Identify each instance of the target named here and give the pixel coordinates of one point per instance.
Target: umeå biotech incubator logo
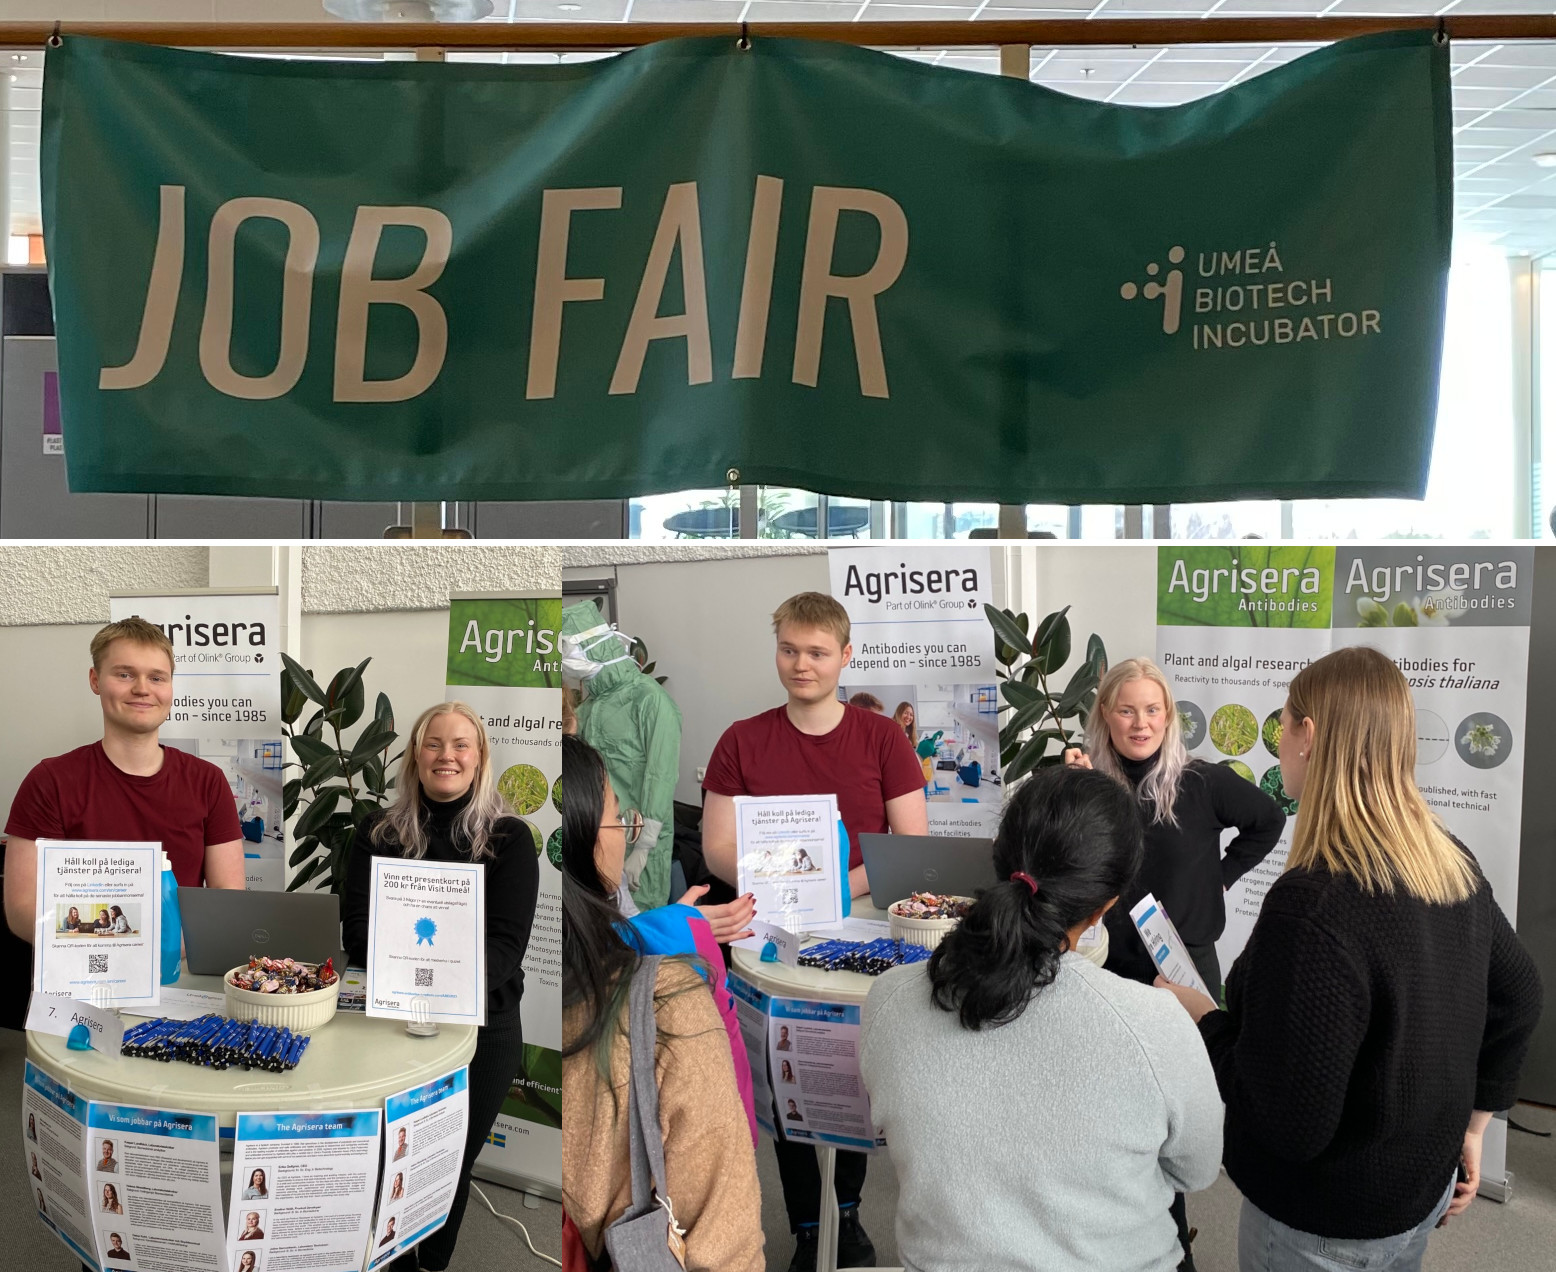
(1246, 298)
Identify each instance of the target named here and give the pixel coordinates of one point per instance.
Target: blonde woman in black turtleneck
(446, 808)
(1134, 734)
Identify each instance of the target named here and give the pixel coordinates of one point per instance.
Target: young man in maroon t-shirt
(128, 787)
(816, 745)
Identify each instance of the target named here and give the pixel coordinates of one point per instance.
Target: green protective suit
(635, 725)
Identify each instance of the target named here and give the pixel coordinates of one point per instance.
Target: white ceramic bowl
(300, 1013)
(926, 932)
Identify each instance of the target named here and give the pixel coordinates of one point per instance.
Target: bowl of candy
(925, 917)
(283, 991)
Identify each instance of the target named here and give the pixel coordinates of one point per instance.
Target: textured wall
(615, 552)
(413, 576)
(71, 584)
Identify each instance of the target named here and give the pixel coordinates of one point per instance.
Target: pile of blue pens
(868, 957)
(218, 1043)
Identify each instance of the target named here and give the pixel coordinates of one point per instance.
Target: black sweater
(1360, 1034)
(512, 882)
(1184, 867)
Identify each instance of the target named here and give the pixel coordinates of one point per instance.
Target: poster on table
(227, 704)
(426, 941)
(302, 1191)
(424, 1145)
(155, 1184)
(787, 856)
(54, 1139)
(1020, 324)
(924, 650)
(813, 1059)
(98, 934)
(1235, 624)
(751, 1010)
(503, 662)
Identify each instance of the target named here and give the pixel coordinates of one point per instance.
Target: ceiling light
(1546, 158)
(570, 8)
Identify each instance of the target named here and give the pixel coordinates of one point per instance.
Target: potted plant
(1040, 715)
(340, 785)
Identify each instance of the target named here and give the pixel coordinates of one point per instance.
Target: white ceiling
(1504, 95)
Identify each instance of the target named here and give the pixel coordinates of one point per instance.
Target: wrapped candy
(284, 976)
(930, 905)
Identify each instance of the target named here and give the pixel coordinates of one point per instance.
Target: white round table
(782, 981)
(352, 1062)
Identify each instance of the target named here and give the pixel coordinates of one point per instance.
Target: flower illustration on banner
(1481, 738)
(1435, 609)
(426, 929)
(1190, 727)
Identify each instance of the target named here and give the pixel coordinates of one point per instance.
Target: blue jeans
(1267, 1245)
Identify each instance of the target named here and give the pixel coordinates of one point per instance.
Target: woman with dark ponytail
(1065, 1102)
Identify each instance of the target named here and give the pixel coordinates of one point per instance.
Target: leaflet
(751, 1006)
(97, 934)
(786, 856)
(302, 1191)
(424, 1144)
(426, 949)
(814, 1056)
(54, 1144)
(156, 1189)
(1168, 951)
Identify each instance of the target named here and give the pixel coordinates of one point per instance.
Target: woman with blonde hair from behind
(1382, 1009)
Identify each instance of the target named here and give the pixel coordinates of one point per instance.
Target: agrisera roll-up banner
(1235, 624)
(502, 662)
(797, 264)
(227, 704)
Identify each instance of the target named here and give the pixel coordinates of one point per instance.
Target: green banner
(802, 264)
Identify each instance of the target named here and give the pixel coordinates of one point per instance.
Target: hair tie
(1026, 879)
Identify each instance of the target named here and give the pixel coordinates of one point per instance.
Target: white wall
(416, 576)
(57, 584)
(1111, 591)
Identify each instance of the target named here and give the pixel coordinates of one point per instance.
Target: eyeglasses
(631, 822)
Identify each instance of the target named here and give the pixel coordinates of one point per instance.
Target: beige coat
(709, 1160)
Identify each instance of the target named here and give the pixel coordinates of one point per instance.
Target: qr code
(97, 964)
(423, 977)
(788, 896)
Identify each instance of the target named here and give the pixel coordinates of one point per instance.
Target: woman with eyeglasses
(446, 808)
(704, 1079)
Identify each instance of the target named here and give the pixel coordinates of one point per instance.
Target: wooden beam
(584, 36)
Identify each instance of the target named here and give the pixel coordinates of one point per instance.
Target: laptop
(224, 926)
(899, 865)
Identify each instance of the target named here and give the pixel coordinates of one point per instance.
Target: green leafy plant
(639, 651)
(1041, 716)
(340, 785)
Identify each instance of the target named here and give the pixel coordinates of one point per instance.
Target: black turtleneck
(1184, 867)
(512, 883)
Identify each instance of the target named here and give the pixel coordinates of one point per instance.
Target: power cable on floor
(510, 1219)
(1527, 1130)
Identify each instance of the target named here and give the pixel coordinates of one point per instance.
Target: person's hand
(731, 921)
(1076, 758)
(1198, 1005)
(1464, 1190)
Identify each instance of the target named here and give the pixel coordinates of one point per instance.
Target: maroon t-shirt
(186, 805)
(865, 761)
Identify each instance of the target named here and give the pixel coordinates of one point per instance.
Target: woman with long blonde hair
(1135, 735)
(1382, 1009)
(446, 808)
